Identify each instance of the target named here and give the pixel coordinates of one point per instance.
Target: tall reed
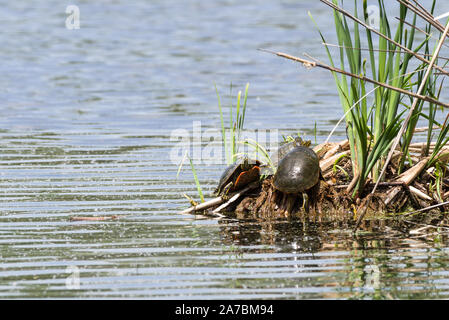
(235, 126)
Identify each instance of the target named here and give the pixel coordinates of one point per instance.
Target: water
(86, 127)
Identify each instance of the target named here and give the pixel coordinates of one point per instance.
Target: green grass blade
(197, 182)
(223, 129)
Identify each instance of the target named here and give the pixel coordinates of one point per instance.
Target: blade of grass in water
(235, 127)
(197, 182)
(245, 99)
(195, 176)
(231, 129)
(223, 129)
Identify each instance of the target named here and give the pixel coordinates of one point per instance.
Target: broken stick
(219, 200)
(236, 196)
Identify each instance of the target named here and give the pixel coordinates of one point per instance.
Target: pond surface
(86, 127)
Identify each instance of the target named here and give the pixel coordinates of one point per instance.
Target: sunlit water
(86, 126)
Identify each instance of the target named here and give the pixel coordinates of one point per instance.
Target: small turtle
(280, 153)
(298, 172)
(288, 146)
(238, 175)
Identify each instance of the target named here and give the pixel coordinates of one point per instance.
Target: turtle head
(298, 141)
(247, 164)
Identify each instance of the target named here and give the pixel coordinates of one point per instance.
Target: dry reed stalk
(424, 32)
(93, 218)
(344, 12)
(341, 146)
(312, 64)
(329, 162)
(374, 50)
(423, 13)
(235, 197)
(427, 208)
(322, 148)
(219, 200)
(420, 194)
(204, 205)
(406, 179)
(408, 176)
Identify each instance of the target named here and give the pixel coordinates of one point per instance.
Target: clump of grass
(235, 129)
(372, 126)
(235, 126)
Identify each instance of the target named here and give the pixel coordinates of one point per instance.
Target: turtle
(238, 175)
(297, 172)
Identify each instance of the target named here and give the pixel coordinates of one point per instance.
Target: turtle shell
(298, 171)
(240, 173)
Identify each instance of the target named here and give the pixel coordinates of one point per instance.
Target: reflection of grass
(235, 252)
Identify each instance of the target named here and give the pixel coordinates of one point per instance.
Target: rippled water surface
(86, 126)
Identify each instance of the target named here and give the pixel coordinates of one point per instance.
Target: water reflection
(374, 265)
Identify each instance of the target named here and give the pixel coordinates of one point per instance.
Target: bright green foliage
(373, 124)
(235, 125)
